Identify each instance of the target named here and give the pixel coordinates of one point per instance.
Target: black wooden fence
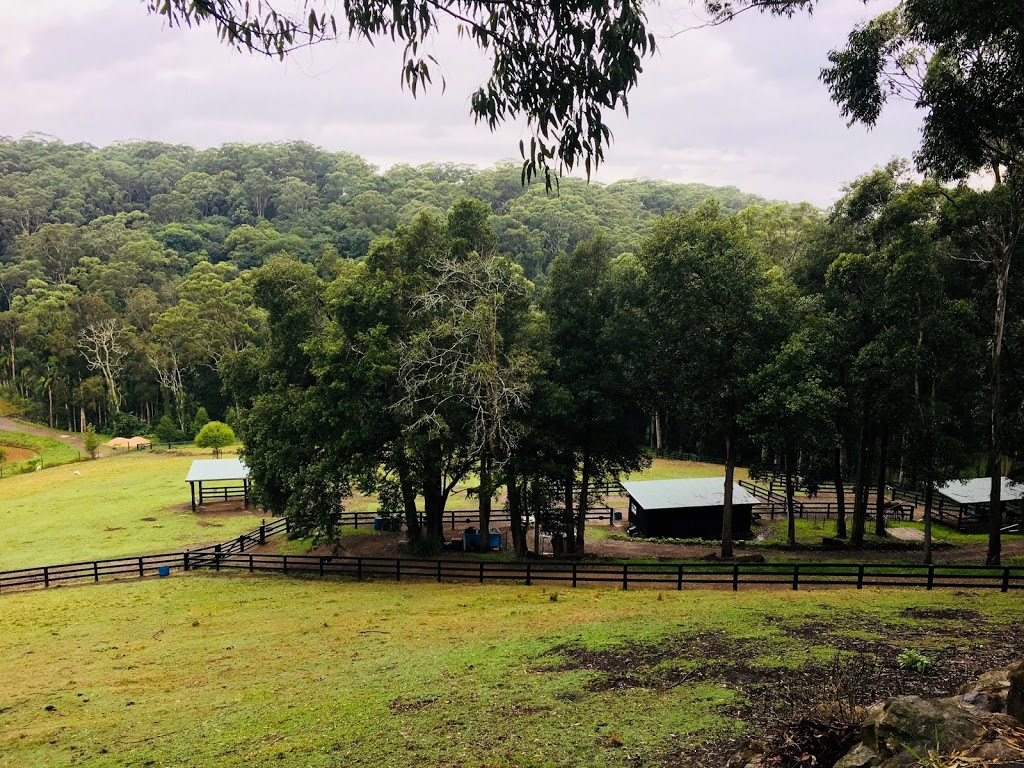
(232, 556)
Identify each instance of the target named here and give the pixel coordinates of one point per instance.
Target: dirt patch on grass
(208, 524)
(942, 614)
(864, 669)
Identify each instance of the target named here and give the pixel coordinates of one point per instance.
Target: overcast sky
(739, 104)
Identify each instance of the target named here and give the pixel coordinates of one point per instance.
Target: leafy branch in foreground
(559, 65)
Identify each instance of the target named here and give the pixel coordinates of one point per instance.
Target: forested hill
(242, 203)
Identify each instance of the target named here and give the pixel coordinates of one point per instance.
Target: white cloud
(739, 104)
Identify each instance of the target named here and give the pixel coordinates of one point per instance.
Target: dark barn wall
(689, 523)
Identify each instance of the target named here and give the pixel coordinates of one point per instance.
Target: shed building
(218, 480)
(687, 509)
(964, 504)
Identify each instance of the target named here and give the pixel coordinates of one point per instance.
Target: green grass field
(53, 516)
(262, 671)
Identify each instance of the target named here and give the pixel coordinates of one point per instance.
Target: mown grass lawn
(53, 516)
(268, 671)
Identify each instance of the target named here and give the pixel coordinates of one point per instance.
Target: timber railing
(675, 576)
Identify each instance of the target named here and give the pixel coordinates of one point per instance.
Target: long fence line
(570, 574)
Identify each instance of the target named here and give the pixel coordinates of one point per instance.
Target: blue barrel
(164, 570)
(378, 523)
(494, 539)
(618, 515)
(470, 540)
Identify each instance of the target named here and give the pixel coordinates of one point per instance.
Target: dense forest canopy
(123, 268)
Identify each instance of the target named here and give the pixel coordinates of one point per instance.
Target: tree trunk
(837, 471)
(584, 505)
(790, 512)
(995, 413)
(515, 512)
(485, 500)
(727, 501)
(49, 396)
(412, 518)
(857, 537)
(568, 518)
(928, 491)
(880, 487)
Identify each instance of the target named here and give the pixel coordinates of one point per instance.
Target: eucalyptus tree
(717, 311)
(963, 65)
(595, 419)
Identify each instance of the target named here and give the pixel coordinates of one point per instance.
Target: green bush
(216, 435)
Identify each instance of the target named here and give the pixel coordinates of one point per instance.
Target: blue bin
(164, 570)
(494, 540)
(378, 523)
(471, 540)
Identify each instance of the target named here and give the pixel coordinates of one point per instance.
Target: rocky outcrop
(983, 724)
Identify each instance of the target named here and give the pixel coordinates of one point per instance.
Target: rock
(1015, 694)
(988, 693)
(998, 752)
(860, 756)
(916, 724)
(745, 756)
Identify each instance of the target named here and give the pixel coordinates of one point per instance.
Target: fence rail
(232, 556)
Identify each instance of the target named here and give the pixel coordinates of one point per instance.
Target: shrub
(128, 425)
(913, 660)
(166, 431)
(201, 420)
(215, 435)
(92, 441)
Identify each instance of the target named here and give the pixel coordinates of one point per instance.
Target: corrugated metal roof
(207, 470)
(978, 490)
(676, 494)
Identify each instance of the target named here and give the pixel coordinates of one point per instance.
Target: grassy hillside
(49, 450)
(265, 671)
(127, 504)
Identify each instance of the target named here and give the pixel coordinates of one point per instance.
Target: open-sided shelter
(687, 509)
(965, 504)
(218, 480)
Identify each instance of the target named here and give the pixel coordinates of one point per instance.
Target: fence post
(625, 576)
(284, 563)
(321, 565)
(1006, 579)
(796, 576)
(216, 559)
(96, 569)
(141, 569)
(528, 580)
(860, 576)
(263, 532)
(241, 543)
(359, 569)
(185, 564)
(46, 576)
(438, 571)
(679, 582)
(250, 564)
(931, 575)
(574, 575)
(398, 569)
(287, 526)
(735, 577)
(481, 571)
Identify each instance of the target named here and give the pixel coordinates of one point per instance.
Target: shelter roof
(677, 494)
(978, 490)
(208, 470)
